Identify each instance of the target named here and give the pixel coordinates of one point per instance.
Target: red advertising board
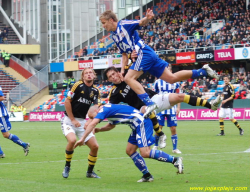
(82, 64)
(224, 54)
(187, 57)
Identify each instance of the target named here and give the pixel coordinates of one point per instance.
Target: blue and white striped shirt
(121, 114)
(3, 110)
(126, 37)
(162, 87)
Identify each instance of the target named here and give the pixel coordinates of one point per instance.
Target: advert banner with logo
(224, 54)
(115, 62)
(82, 64)
(206, 114)
(46, 116)
(101, 63)
(242, 53)
(187, 57)
(170, 58)
(204, 56)
(15, 116)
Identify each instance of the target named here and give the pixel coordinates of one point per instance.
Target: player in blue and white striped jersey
(128, 41)
(5, 127)
(163, 87)
(141, 136)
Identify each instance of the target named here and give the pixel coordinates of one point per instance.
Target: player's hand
(223, 102)
(76, 123)
(79, 143)
(150, 15)
(134, 55)
(122, 72)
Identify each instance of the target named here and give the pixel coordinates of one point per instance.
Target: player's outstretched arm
(90, 128)
(107, 127)
(149, 15)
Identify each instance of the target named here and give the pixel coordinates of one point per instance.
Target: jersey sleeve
(74, 90)
(131, 25)
(97, 98)
(231, 89)
(113, 97)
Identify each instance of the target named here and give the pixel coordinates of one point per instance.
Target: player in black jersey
(227, 107)
(81, 96)
(121, 92)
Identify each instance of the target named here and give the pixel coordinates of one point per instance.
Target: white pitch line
(247, 151)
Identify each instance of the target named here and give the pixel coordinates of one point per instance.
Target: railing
(30, 87)
(26, 66)
(160, 52)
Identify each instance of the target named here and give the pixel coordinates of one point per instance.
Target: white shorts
(226, 112)
(162, 102)
(68, 127)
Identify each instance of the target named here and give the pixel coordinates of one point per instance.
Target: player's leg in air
(5, 128)
(167, 101)
(159, 69)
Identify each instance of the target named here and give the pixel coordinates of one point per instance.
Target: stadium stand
(180, 25)
(7, 81)
(7, 35)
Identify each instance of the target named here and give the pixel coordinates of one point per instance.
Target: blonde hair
(108, 15)
(85, 70)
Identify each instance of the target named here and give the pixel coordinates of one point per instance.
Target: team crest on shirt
(82, 92)
(227, 89)
(122, 34)
(91, 95)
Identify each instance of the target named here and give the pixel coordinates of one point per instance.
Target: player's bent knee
(145, 154)
(6, 135)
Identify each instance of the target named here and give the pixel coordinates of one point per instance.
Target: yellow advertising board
(20, 49)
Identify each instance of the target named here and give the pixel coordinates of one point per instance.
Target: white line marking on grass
(247, 151)
(58, 161)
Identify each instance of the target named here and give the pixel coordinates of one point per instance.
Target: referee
(227, 107)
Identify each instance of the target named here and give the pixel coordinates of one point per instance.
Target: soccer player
(227, 107)
(163, 87)
(127, 40)
(121, 92)
(141, 136)
(5, 127)
(79, 99)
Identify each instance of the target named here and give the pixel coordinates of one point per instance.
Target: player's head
(226, 80)
(108, 20)
(93, 111)
(88, 75)
(113, 75)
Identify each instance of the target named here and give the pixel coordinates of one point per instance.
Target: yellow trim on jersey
(76, 85)
(232, 90)
(111, 90)
(99, 96)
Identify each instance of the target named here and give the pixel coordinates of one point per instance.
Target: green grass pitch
(209, 160)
